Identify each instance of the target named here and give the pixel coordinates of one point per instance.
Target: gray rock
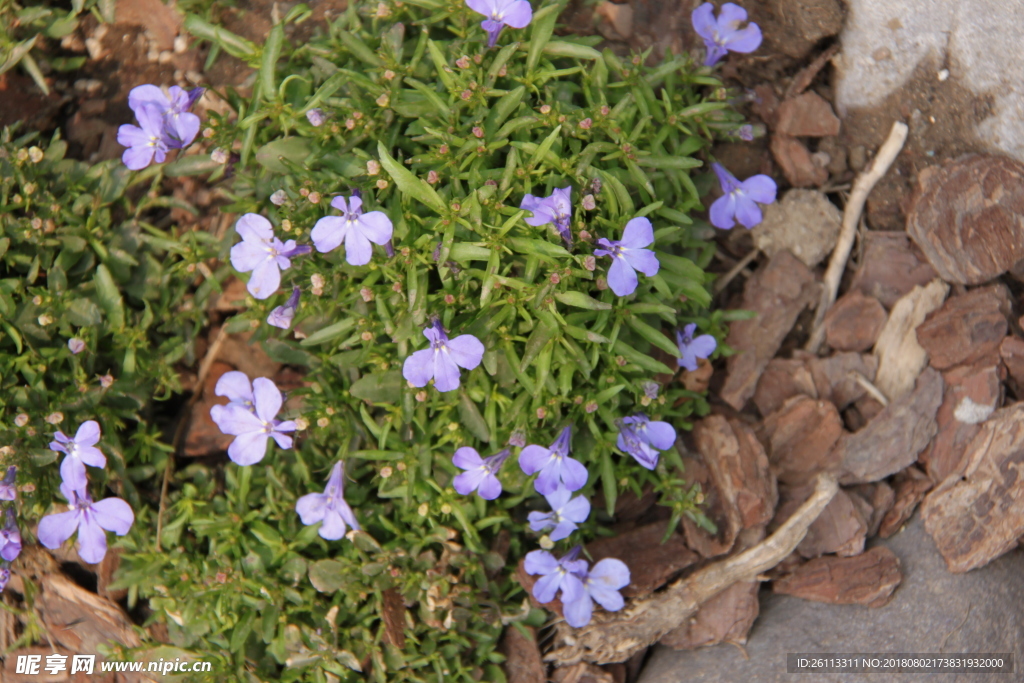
(932, 611)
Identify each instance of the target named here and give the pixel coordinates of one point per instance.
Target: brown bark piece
(972, 394)
(726, 617)
(866, 579)
(879, 498)
(978, 518)
(895, 437)
(968, 217)
(841, 529)
(892, 266)
(966, 328)
(651, 563)
(900, 357)
(394, 617)
(523, 663)
(777, 294)
(800, 437)
(854, 322)
(834, 377)
(796, 162)
(782, 379)
(911, 485)
(1011, 350)
(204, 436)
(716, 507)
(809, 115)
(581, 672)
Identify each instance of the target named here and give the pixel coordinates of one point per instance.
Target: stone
(854, 322)
(966, 328)
(800, 438)
(900, 357)
(804, 222)
(911, 485)
(651, 563)
(776, 293)
(981, 516)
(891, 266)
(895, 437)
(866, 579)
(968, 217)
(796, 162)
(782, 379)
(1011, 351)
(835, 376)
(726, 617)
(931, 611)
(619, 18)
(795, 27)
(808, 114)
(523, 663)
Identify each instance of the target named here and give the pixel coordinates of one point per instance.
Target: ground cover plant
(474, 238)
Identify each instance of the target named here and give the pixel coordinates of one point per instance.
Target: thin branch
(724, 281)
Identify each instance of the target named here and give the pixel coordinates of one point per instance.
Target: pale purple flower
(263, 254)
(651, 389)
(236, 387)
(628, 256)
(481, 473)
(566, 513)
(76, 345)
(556, 574)
(739, 201)
(180, 126)
(10, 537)
(556, 209)
(146, 141)
(601, 584)
(252, 429)
(8, 491)
(355, 228)
(89, 519)
(282, 315)
(81, 451)
(555, 465)
(517, 438)
(691, 348)
(642, 439)
(501, 13)
(328, 507)
(724, 34)
(745, 132)
(316, 117)
(5, 576)
(443, 359)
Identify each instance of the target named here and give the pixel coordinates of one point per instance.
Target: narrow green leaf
(109, 296)
(408, 183)
(543, 25)
(359, 49)
(608, 483)
(330, 332)
(380, 387)
(561, 48)
(641, 359)
(233, 44)
(581, 300)
(652, 335)
(472, 419)
(268, 65)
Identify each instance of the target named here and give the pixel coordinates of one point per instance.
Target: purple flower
(263, 254)
(480, 474)
(724, 34)
(602, 583)
(639, 437)
(76, 345)
(7, 489)
(443, 359)
(501, 13)
(629, 256)
(236, 387)
(89, 519)
(10, 538)
(564, 516)
(81, 451)
(738, 201)
(316, 117)
(556, 209)
(556, 574)
(691, 349)
(282, 315)
(180, 126)
(146, 141)
(328, 507)
(554, 465)
(745, 132)
(252, 428)
(651, 389)
(356, 229)
(5, 576)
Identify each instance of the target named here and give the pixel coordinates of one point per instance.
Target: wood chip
(800, 438)
(967, 327)
(910, 486)
(866, 579)
(841, 529)
(808, 115)
(726, 617)
(522, 656)
(900, 357)
(854, 322)
(796, 162)
(1011, 350)
(782, 379)
(651, 563)
(394, 617)
(835, 377)
(879, 497)
(890, 267)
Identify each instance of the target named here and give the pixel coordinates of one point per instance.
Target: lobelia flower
(10, 538)
(556, 574)
(328, 507)
(81, 451)
(356, 229)
(263, 254)
(690, 348)
(481, 473)
(282, 315)
(89, 519)
(556, 208)
(639, 437)
(316, 117)
(443, 359)
(146, 141)
(76, 345)
(180, 125)
(501, 13)
(601, 584)
(252, 428)
(628, 256)
(724, 34)
(565, 514)
(739, 201)
(5, 576)
(7, 488)
(555, 466)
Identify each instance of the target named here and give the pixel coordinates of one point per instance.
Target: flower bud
(106, 381)
(384, 100)
(462, 62)
(386, 472)
(323, 422)
(278, 198)
(389, 75)
(602, 284)
(585, 124)
(372, 167)
(466, 94)
(21, 420)
(382, 184)
(314, 197)
(55, 418)
(590, 263)
(301, 423)
(367, 294)
(423, 509)
(35, 154)
(542, 413)
(589, 203)
(316, 117)
(76, 345)
(219, 156)
(432, 177)
(590, 407)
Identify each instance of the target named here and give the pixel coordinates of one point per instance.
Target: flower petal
(311, 508)
(92, 541)
(548, 480)
(643, 260)
(328, 233)
(333, 527)
(468, 481)
(55, 529)
(577, 510)
(91, 456)
(747, 212)
(72, 472)
(578, 612)
(723, 212)
(534, 458)
(562, 530)
(267, 398)
(539, 562)
(704, 23)
(113, 514)
(249, 448)
(419, 367)
(446, 372)
(466, 350)
(604, 581)
(376, 227)
(574, 474)
(358, 250)
(467, 458)
(147, 94)
(621, 277)
(484, 7)
(254, 228)
(235, 386)
(245, 256)
(703, 346)
(547, 586)
(88, 434)
(539, 521)
(138, 157)
(760, 188)
(490, 488)
(638, 233)
(518, 14)
(661, 435)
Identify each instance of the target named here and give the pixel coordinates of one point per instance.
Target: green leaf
(653, 336)
(610, 486)
(292, 148)
(359, 49)
(17, 53)
(535, 247)
(408, 183)
(431, 96)
(327, 575)
(464, 251)
(84, 313)
(561, 48)
(663, 162)
(543, 25)
(233, 44)
(382, 387)
(641, 359)
(329, 87)
(472, 419)
(268, 65)
(191, 164)
(110, 297)
(330, 332)
(581, 300)
(266, 534)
